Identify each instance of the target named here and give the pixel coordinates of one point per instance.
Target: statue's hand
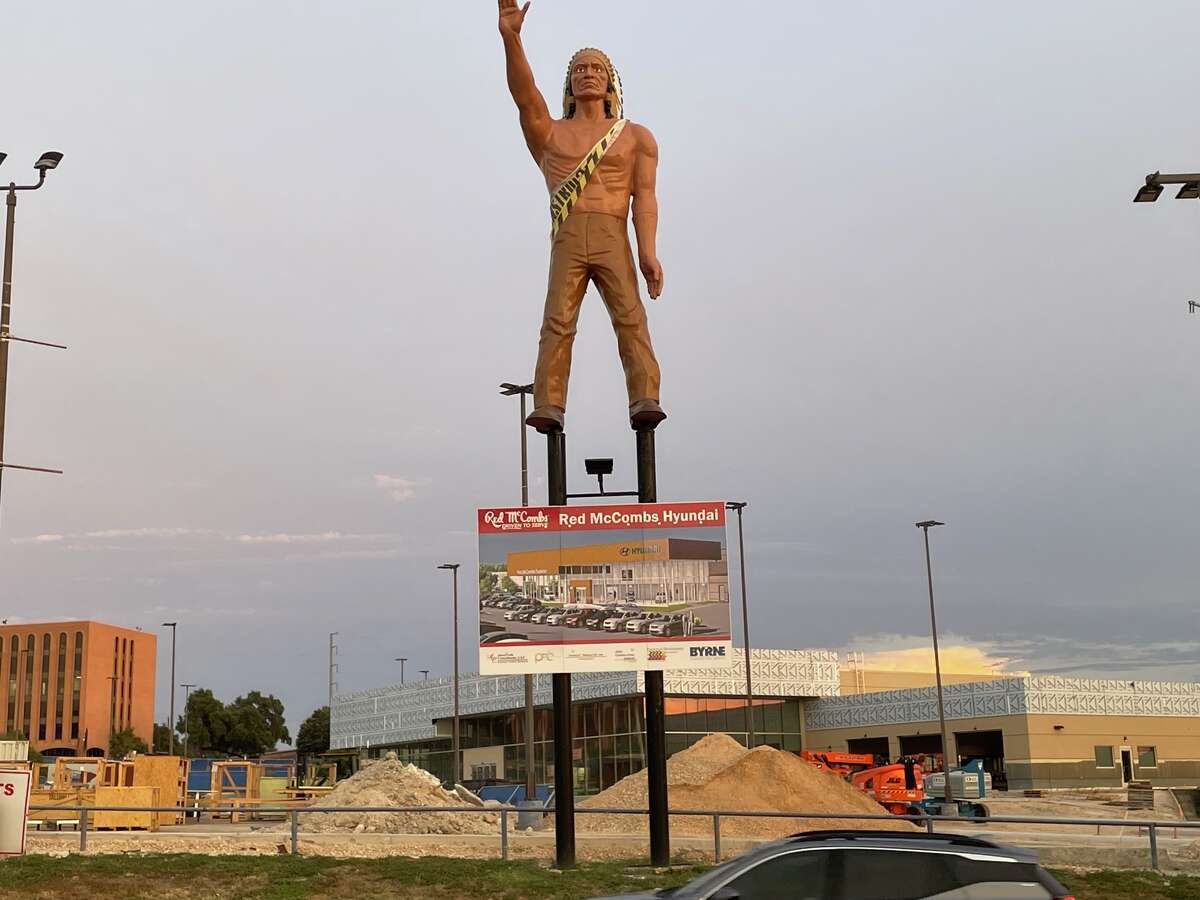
(653, 273)
(512, 17)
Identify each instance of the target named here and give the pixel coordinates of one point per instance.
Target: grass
(180, 876)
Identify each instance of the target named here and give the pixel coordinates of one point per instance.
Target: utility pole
(332, 669)
(172, 626)
(187, 717)
(508, 389)
(402, 660)
(738, 506)
(937, 664)
(424, 672)
(48, 161)
(456, 769)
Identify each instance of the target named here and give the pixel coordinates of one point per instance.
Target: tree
(250, 725)
(125, 742)
(205, 720)
(313, 736)
(509, 585)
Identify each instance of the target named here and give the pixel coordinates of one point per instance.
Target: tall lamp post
(47, 161)
(937, 664)
(456, 768)
(508, 389)
(187, 719)
(737, 506)
(424, 672)
(172, 626)
(402, 660)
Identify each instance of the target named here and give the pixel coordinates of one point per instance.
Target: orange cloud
(957, 659)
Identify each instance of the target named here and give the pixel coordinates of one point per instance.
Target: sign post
(14, 810)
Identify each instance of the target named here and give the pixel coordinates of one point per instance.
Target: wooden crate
(126, 796)
(169, 775)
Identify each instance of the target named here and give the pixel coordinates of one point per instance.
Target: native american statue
(594, 161)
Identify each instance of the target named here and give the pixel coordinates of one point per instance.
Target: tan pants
(595, 247)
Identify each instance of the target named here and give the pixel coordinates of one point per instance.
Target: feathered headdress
(614, 99)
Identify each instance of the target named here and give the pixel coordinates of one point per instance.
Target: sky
(294, 247)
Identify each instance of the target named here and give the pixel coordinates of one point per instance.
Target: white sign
(14, 810)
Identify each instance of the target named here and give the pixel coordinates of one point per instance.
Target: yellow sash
(564, 197)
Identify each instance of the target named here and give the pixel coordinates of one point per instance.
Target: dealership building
(1031, 732)
(653, 571)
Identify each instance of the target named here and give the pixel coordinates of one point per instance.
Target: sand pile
(388, 782)
(719, 773)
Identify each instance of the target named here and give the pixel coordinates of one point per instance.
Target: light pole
(402, 660)
(187, 717)
(508, 389)
(456, 768)
(172, 625)
(738, 506)
(332, 668)
(424, 672)
(1193, 306)
(48, 160)
(1153, 188)
(937, 663)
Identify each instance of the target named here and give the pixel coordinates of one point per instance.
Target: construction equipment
(844, 764)
(970, 783)
(896, 787)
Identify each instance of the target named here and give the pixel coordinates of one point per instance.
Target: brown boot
(645, 414)
(546, 419)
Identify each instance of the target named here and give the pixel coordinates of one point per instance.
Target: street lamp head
(48, 160)
(1150, 191)
(3, 157)
(169, 624)
(598, 466)
(452, 566)
(400, 659)
(508, 389)
(1193, 306)
(1190, 191)
(929, 523)
(738, 505)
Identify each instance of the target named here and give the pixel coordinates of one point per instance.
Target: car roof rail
(961, 840)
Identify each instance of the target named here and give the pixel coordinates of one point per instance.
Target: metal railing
(293, 814)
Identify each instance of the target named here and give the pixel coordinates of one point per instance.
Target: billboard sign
(14, 810)
(603, 588)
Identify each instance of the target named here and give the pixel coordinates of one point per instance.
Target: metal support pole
(746, 633)
(656, 720)
(937, 668)
(504, 834)
(171, 721)
(716, 838)
(929, 823)
(83, 828)
(530, 773)
(564, 769)
(295, 817)
(6, 312)
(457, 742)
(1153, 847)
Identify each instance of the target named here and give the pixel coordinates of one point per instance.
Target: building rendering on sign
(67, 683)
(1031, 732)
(659, 571)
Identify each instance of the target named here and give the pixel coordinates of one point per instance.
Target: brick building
(66, 683)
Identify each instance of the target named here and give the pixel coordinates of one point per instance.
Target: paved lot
(713, 616)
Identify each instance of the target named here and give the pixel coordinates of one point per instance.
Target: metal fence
(293, 814)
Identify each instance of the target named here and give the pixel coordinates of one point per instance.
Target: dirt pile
(388, 782)
(719, 773)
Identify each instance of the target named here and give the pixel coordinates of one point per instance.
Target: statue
(594, 160)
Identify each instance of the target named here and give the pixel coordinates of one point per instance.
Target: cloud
(323, 537)
(399, 489)
(40, 539)
(144, 533)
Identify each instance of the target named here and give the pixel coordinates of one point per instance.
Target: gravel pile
(719, 773)
(388, 782)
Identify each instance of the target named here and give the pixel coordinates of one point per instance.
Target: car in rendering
(617, 622)
(641, 624)
(575, 619)
(525, 614)
(596, 618)
(515, 611)
(503, 637)
(539, 617)
(871, 865)
(555, 618)
(667, 626)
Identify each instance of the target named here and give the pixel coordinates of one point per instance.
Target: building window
(76, 684)
(129, 690)
(1104, 758)
(10, 723)
(1147, 758)
(44, 684)
(60, 693)
(27, 701)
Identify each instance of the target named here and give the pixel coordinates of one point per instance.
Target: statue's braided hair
(614, 98)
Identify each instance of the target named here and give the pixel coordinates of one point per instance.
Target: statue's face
(589, 77)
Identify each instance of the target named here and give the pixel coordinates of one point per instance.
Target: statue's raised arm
(535, 116)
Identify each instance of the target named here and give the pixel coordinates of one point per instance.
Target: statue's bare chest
(570, 142)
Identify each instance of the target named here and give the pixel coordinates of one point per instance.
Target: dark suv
(874, 865)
